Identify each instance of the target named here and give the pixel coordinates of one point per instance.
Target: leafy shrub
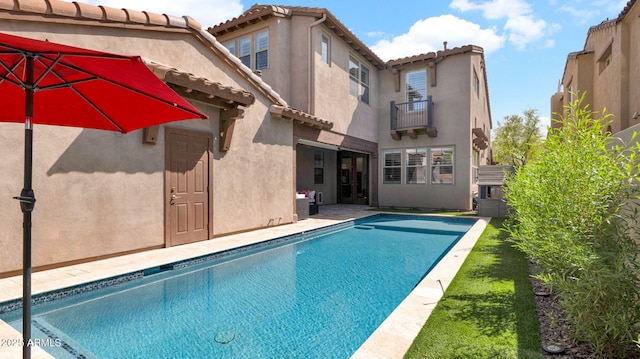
(574, 214)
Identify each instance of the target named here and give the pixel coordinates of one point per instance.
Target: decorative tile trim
(16, 304)
(64, 345)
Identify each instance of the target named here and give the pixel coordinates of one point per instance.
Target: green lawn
(488, 310)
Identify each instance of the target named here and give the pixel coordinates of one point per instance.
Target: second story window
(231, 46)
(605, 59)
(262, 50)
(416, 90)
(476, 82)
(251, 47)
(244, 50)
(359, 80)
(325, 49)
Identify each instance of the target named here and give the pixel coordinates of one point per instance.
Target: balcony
(412, 118)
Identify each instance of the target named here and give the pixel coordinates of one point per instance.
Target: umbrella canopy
(84, 88)
(46, 83)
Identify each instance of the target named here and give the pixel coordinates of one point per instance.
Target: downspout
(310, 64)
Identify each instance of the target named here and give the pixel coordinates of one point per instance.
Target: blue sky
(526, 42)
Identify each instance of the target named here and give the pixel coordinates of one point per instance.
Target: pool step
(362, 226)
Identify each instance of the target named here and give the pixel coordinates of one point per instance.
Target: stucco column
(295, 177)
(373, 163)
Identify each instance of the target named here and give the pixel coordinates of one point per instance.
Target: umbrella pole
(27, 202)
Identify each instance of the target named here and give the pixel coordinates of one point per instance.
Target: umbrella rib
(66, 84)
(73, 67)
(63, 83)
(48, 68)
(98, 109)
(11, 71)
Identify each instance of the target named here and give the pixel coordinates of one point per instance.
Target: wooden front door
(189, 214)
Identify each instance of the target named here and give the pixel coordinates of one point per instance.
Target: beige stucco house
(102, 194)
(608, 69)
(295, 102)
(406, 133)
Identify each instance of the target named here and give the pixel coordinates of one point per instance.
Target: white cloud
(612, 6)
(592, 11)
(549, 44)
(582, 13)
(523, 26)
(428, 35)
(206, 12)
(375, 34)
(524, 30)
(494, 9)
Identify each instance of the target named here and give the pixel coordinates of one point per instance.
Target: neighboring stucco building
(608, 69)
(406, 133)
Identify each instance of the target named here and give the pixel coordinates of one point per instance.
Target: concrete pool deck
(390, 340)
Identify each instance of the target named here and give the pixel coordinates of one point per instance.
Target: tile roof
(290, 113)
(626, 10)
(58, 10)
(603, 25)
(435, 56)
(214, 91)
(612, 22)
(262, 12)
(80, 11)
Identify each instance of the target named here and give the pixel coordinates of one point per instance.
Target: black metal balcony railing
(413, 116)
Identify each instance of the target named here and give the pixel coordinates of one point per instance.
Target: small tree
(575, 214)
(517, 139)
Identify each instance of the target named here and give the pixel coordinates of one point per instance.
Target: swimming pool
(305, 296)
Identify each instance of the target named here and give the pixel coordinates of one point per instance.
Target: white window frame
(410, 92)
(359, 78)
(251, 48)
(231, 46)
(364, 83)
(416, 165)
(262, 47)
(325, 49)
(442, 166)
(244, 50)
(394, 166)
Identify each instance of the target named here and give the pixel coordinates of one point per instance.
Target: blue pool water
(307, 298)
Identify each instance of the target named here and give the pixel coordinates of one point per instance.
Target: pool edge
(380, 345)
(397, 332)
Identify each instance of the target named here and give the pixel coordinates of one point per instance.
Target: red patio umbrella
(53, 84)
